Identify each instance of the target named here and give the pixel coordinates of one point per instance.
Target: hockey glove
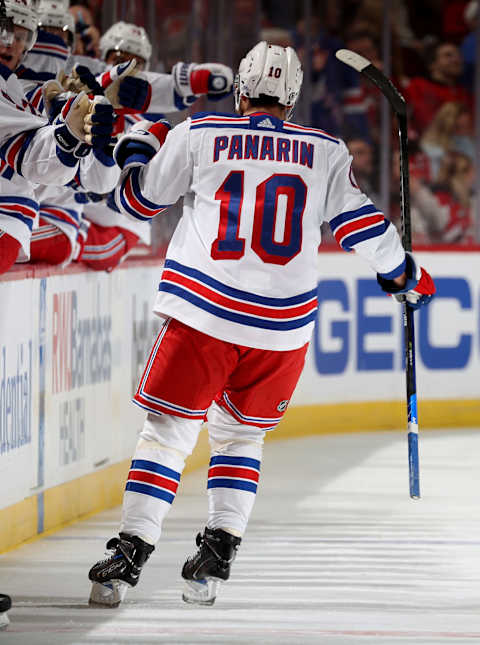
(98, 123)
(419, 288)
(134, 94)
(69, 133)
(142, 142)
(55, 97)
(111, 80)
(213, 79)
(82, 79)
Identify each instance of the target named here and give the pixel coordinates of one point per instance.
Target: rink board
(72, 347)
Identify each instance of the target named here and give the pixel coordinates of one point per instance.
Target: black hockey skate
(121, 569)
(210, 566)
(5, 604)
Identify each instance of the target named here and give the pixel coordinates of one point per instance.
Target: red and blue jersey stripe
(241, 473)
(53, 50)
(14, 149)
(35, 99)
(239, 306)
(21, 208)
(149, 478)
(356, 226)
(133, 201)
(60, 214)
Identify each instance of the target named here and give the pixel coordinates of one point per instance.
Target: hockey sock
(154, 475)
(234, 471)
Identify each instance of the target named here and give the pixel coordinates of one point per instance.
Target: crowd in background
(433, 57)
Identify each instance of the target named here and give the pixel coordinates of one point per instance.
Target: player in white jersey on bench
(238, 297)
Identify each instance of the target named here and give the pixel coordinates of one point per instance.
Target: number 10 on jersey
(229, 246)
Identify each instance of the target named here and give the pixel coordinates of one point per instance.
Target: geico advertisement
(356, 352)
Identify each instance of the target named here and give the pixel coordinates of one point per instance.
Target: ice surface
(336, 553)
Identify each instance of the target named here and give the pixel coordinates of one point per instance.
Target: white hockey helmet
(55, 13)
(271, 70)
(125, 36)
(23, 14)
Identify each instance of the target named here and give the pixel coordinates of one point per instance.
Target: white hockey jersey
(18, 208)
(242, 265)
(27, 144)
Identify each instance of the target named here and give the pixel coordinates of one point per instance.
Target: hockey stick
(397, 102)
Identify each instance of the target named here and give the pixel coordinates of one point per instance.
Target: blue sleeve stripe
(349, 215)
(395, 272)
(125, 206)
(361, 236)
(136, 159)
(24, 201)
(138, 193)
(23, 150)
(28, 221)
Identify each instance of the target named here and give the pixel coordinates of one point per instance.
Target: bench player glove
(83, 124)
(112, 79)
(141, 143)
(82, 78)
(134, 94)
(99, 123)
(213, 79)
(419, 288)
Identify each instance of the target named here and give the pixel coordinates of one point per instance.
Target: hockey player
(111, 235)
(32, 150)
(55, 236)
(238, 298)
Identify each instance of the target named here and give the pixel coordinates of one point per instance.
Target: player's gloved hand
(112, 79)
(54, 97)
(99, 123)
(213, 79)
(69, 131)
(141, 143)
(134, 93)
(419, 288)
(82, 78)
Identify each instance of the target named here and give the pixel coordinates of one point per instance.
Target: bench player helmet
(55, 13)
(23, 14)
(124, 36)
(269, 70)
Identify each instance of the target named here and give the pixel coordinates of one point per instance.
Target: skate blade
(4, 621)
(109, 594)
(201, 592)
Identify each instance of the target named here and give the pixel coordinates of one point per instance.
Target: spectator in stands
(455, 28)
(364, 43)
(427, 95)
(87, 34)
(454, 193)
(363, 166)
(437, 140)
(337, 100)
(428, 218)
(463, 138)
